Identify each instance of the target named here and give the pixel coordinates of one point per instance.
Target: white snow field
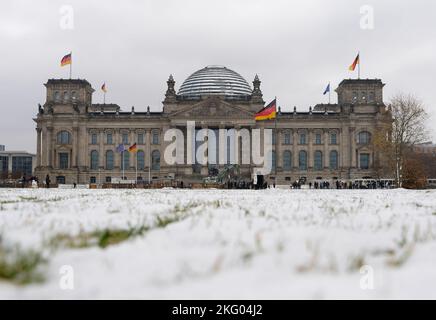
(217, 244)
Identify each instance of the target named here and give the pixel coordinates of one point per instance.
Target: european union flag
(327, 90)
(120, 148)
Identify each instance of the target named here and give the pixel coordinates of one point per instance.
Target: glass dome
(215, 80)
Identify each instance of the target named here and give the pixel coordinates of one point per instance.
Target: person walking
(47, 181)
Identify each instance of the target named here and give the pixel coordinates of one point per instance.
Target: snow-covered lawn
(217, 244)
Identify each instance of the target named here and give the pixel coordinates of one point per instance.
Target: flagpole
(122, 161)
(71, 64)
(136, 168)
(149, 165)
(330, 92)
(275, 145)
(358, 70)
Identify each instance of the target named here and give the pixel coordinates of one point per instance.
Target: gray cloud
(296, 47)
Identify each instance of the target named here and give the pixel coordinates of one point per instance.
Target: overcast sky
(296, 48)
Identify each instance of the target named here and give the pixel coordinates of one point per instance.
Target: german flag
(66, 60)
(133, 148)
(267, 113)
(355, 63)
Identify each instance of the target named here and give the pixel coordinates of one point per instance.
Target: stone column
(294, 149)
(147, 150)
(49, 146)
(353, 163)
(117, 155)
(310, 150)
(278, 149)
(38, 147)
(101, 152)
(326, 156)
(75, 146)
(205, 168)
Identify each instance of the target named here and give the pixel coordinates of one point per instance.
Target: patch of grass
(402, 257)
(101, 238)
(20, 266)
(162, 222)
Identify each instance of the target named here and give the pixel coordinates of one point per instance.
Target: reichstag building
(78, 141)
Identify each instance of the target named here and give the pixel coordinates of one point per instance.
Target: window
(371, 97)
(287, 137)
(92, 180)
(73, 96)
(333, 138)
(4, 166)
(302, 160)
(318, 138)
(94, 138)
(22, 165)
(125, 138)
(333, 160)
(109, 160)
(363, 96)
(155, 160)
(64, 137)
(60, 180)
(140, 138)
(364, 161)
(155, 137)
(318, 160)
(108, 179)
(125, 159)
(109, 138)
(94, 160)
(287, 160)
(66, 96)
(302, 138)
(63, 160)
(57, 96)
(364, 137)
(140, 160)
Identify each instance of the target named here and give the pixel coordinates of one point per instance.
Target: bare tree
(408, 129)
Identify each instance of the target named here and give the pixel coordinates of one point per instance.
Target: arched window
(318, 160)
(109, 160)
(125, 156)
(64, 137)
(302, 160)
(287, 160)
(94, 160)
(333, 160)
(140, 160)
(155, 160)
(364, 137)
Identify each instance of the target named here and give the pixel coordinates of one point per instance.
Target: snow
(227, 244)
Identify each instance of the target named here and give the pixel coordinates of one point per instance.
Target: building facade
(77, 140)
(16, 164)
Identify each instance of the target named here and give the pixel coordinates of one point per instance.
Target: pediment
(213, 107)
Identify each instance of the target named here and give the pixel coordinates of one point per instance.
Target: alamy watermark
(220, 147)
